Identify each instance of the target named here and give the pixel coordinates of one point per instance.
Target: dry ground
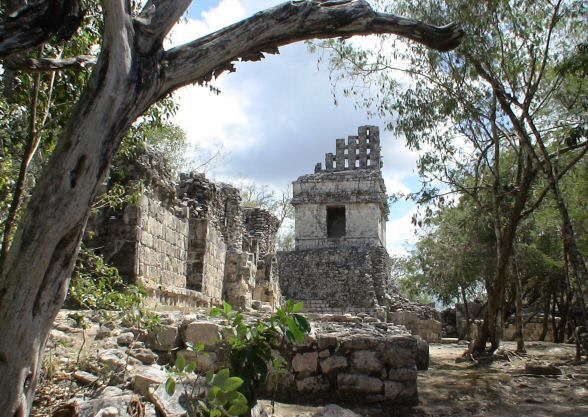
(501, 388)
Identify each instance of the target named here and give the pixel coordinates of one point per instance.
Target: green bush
(96, 285)
(232, 392)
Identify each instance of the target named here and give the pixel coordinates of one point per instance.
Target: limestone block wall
(240, 272)
(206, 259)
(358, 364)
(354, 369)
(339, 278)
(162, 244)
(428, 329)
(532, 329)
(262, 226)
(361, 193)
(189, 242)
(364, 226)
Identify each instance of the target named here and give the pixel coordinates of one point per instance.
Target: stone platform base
(173, 298)
(352, 364)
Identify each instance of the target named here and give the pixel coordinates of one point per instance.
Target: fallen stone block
(146, 377)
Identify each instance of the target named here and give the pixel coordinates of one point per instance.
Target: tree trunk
(467, 312)
(492, 327)
(33, 291)
(545, 319)
(519, 335)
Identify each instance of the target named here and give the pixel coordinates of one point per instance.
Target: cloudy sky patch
(276, 118)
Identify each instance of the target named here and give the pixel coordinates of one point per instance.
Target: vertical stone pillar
(352, 151)
(340, 149)
(374, 147)
(329, 162)
(362, 150)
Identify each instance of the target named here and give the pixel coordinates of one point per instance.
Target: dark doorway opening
(335, 221)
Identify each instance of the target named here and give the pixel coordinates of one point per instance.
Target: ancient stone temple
(189, 243)
(340, 262)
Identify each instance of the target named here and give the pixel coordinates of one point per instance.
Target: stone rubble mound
(347, 359)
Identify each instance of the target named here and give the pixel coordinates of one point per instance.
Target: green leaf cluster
(96, 285)
(252, 344)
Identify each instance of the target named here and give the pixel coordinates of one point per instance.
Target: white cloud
(400, 234)
(227, 12)
(276, 118)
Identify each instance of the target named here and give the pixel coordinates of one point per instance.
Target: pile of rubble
(108, 368)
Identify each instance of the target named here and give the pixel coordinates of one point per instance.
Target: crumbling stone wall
(327, 280)
(162, 244)
(146, 241)
(533, 324)
(261, 226)
(206, 259)
(190, 242)
(351, 361)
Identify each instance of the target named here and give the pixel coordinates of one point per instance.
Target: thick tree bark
(519, 335)
(132, 72)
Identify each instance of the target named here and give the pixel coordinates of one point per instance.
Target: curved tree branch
(264, 32)
(155, 21)
(19, 63)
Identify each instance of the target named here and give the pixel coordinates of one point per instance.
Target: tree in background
(262, 196)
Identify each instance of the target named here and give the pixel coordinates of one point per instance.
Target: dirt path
(502, 388)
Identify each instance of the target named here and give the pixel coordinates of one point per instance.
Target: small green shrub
(232, 392)
(222, 397)
(96, 285)
(252, 345)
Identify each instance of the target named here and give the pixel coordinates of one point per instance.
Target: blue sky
(276, 118)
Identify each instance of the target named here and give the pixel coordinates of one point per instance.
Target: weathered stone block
(327, 342)
(400, 352)
(409, 394)
(392, 389)
(333, 363)
(305, 362)
(164, 337)
(146, 356)
(312, 384)
(366, 361)
(360, 384)
(358, 343)
(202, 332)
(324, 354)
(402, 374)
(146, 377)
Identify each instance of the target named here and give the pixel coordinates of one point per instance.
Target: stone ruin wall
(189, 243)
(352, 360)
(335, 280)
(532, 324)
(162, 243)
